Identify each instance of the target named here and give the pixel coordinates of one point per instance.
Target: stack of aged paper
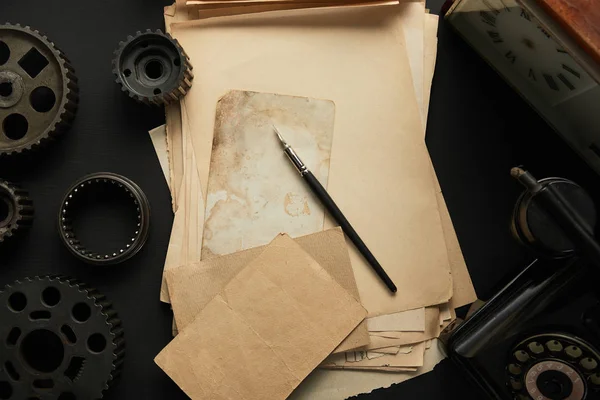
(369, 68)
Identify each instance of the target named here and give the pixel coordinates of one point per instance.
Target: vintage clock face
(530, 58)
(531, 51)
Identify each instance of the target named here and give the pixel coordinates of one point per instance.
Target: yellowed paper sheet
(181, 159)
(413, 26)
(327, 248)
(186, 235)
(282, 57)
(463, 290)
(359, 355)
(211, 4)
(382, 369)
(406, 321)
(445, 314)
(175, 151)
(254, 192)
(432, 330)
(388, 350)
(414, 358)
(430, 55)
(206, 12)
(159, 142)
(174, 125)
(291, 318)
(232, 3)
(325, 384)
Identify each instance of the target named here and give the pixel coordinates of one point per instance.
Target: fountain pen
(334, 211)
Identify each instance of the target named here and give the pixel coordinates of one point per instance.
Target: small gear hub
(60, 340)
(16, 210)
(153, 68)
(38, 90)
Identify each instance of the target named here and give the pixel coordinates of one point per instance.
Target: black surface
(478, 129)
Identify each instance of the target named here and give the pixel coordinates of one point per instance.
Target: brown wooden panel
(581, 18)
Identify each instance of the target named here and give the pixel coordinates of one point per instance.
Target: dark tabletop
(478, 129)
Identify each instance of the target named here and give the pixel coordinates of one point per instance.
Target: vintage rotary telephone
(538, 338)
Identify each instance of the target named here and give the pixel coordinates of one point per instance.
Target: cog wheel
(153, 68)
(553, 366)
(60, 340)
(38, 90)
(16, 210)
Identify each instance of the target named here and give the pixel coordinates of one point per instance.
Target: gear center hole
(42, 350)
(154, 69)
(6, 89)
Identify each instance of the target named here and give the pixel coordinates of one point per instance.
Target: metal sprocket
(60, 340)
(38, 90)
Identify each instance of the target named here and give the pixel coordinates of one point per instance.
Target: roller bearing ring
(138, 237)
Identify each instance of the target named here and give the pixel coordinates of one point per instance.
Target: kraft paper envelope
(327, 248)
(282, 315)
(380, 173)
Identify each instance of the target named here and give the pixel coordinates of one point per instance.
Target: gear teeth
(69, 101)
(170, 96)
(105, 309)
(21, 210)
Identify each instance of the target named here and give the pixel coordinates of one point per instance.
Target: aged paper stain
(254, 192)
(296, 205)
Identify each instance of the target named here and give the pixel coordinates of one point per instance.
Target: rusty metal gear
(60, 340)
(16, 210)
(38, 90)
(153, 68)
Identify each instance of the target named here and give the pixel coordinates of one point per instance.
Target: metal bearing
(16, 210)
(73, 201)
(153, 68)
(61, 340)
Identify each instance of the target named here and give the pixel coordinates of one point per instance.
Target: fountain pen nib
(281, 139)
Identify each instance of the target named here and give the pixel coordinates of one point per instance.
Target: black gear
(153, 68)
(38, 90)
(60, 340)
(16, 210)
